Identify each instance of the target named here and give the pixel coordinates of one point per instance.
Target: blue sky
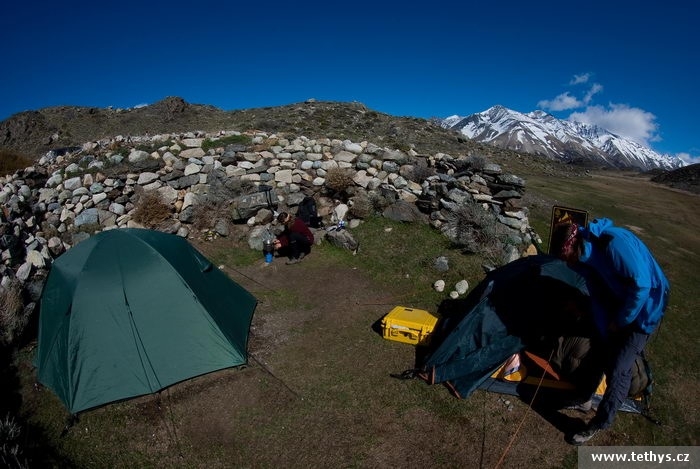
(631, 67)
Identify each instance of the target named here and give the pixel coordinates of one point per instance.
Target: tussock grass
(13, 321)
(339, 179)
(10, 449)
(11, 161)
(151, 210)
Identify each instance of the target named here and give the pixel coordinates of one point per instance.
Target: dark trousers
(622, 350)
(298, 243)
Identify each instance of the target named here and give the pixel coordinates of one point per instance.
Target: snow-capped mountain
(542, 134)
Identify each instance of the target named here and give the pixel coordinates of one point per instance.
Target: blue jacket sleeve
(634, 302)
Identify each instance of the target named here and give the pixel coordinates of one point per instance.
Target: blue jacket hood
(596, 227)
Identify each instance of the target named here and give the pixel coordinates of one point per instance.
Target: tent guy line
(527, 412)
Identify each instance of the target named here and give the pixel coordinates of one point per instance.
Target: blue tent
(515, 305)
(528, 305)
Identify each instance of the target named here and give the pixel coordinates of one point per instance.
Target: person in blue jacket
(639, 291)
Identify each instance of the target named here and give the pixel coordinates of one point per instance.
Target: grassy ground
(319, 392)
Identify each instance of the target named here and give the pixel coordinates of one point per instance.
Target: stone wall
(49, 207)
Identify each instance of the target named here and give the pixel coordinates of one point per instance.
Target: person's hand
(277, 244)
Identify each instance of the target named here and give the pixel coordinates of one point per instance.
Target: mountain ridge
(540, 133)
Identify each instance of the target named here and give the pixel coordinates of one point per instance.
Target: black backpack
(308, 213)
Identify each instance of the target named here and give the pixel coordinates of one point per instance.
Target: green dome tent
(128, 312)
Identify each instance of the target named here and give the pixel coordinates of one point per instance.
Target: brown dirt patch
(319, 390)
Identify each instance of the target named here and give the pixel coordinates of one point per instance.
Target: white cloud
(566, 101)
(562, 102)
(688, 158)
(630, 122)
(595, 89)
(578, 79)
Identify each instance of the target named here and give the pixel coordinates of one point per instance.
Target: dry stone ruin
(209, 185)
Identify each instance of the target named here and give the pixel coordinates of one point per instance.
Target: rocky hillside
(36, 132)
(686, 178)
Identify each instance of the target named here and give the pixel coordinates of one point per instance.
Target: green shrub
(210, 143)
(149, 147)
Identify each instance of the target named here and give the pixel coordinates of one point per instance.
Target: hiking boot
(581, 407)
(583, 436)
(294, 260)
(302, 256)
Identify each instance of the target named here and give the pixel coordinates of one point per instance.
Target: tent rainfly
(128, 312)
(514, 306)
(529, 304)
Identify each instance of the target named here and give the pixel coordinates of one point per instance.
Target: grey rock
(405, 212)
(441, 264)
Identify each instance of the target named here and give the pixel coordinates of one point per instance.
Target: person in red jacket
(296, 239)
